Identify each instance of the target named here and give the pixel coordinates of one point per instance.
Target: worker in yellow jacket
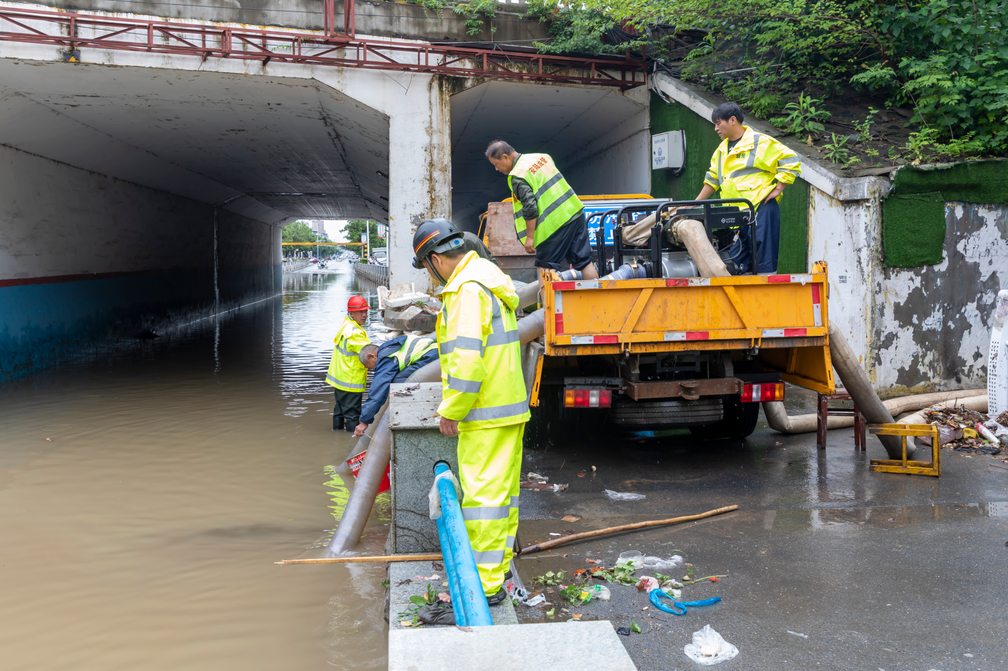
(756, 167)
(346, 373)
(484, 401)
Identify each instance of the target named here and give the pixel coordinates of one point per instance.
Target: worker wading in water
(549, 217)
(346, 373)
(483, 393)
(756, 167)
(394, 361)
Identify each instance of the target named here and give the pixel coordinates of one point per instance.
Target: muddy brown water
(144, 497)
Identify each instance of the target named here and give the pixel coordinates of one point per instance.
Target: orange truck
(667, 352)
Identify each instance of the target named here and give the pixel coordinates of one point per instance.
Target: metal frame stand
(905, 466)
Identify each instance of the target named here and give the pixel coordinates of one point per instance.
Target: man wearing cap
(346, 373)
(483, 395)
(549, 217)
(394, 361)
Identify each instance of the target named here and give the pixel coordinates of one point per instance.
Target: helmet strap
(430, 264)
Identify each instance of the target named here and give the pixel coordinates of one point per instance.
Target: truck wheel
(664, 414)
(739, 421)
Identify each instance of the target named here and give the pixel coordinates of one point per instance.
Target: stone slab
(567, 646)
(400, 592)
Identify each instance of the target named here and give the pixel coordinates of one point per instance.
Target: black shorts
(568, 246)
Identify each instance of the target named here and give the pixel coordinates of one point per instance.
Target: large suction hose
(361, 500)
(779, 420)
(691, 234)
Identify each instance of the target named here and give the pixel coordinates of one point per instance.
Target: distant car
(314, 260)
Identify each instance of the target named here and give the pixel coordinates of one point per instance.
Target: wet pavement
(830, 566)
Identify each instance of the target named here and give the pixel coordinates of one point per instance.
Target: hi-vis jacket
(558, 203)
(750, 168)
(412, 349)
(346, 372)
(481, 373)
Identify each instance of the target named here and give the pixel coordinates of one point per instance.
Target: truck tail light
(587, 398)
(767, 391)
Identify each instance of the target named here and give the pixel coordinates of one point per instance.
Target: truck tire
(739, 421)
(669, 413)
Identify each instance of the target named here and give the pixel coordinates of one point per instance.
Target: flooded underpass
(144, 498)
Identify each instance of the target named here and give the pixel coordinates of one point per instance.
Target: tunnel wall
(88, 261)
(619, 161)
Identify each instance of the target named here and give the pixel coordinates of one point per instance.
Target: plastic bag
(623, 496)
(434, 499)
(709, 648)
(659, 564)
(436, 613)
(600, 592)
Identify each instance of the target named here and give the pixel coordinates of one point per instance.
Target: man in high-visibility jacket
(484, 401)
(549, 217)
(394, 361)
(756, 167)
(346, 373)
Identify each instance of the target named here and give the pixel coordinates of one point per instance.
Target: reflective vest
(481, 373)
(558, 203)
(346, 372)
(751, 167)
(411, 350)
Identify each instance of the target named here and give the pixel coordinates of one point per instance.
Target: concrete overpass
(147, 165)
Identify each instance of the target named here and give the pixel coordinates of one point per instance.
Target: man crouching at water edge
(394, 361)
(483, 393)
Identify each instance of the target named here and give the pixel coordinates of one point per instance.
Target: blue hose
(656, 594)
(454, 588)
(461, 567)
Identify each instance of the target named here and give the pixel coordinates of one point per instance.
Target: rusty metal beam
(690, 390)
(75, 30)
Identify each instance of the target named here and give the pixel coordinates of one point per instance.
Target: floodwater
(144, 498)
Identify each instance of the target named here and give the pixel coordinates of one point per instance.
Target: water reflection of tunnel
(597, 136)
(110, 177)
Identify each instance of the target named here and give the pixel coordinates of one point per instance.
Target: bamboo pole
(625, 527)
(360, 560)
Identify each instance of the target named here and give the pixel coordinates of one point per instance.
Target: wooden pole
(360, 560)
(625, 527)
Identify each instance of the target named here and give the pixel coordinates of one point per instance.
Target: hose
(780, 422)
(628, 272)
(691, 234)
(362, 497)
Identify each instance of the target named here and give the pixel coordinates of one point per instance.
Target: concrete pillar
(419, 174)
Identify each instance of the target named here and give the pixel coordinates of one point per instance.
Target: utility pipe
(779, 420)
(358, 507)
(691, 234)
(454, 587)
(459, 560)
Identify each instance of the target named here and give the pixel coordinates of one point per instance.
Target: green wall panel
(701, 143)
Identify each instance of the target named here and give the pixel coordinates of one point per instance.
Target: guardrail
(292, 266)
(372, 273)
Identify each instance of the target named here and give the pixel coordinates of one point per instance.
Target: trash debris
(632, 557)
(655, 595)
(623, 496)
(966, 430)
(537, 600)
(623, 631)
(795, 633)
(436, 613)
(571, 518)
(600, 592)
(551, 612)
(559, 488)
(550, 578)
(581, 474)
(659, 564)
(535, 477)
(593, 469)
(709, 648)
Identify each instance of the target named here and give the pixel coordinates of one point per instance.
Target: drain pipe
(369, 478)
(463, 576)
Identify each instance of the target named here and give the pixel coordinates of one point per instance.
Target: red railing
(74, 31)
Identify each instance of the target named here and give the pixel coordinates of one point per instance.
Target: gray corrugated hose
(779, 420)
(361, 500)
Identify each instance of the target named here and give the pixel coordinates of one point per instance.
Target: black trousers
(346, 414)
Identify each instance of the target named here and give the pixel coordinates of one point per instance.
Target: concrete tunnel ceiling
(281, 148)
(562, 121)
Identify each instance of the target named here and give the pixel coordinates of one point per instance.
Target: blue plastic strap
(655, 598)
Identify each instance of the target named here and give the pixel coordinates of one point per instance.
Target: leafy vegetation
(836, 151)
(805, 117)
(300, 232)
(475, 13)
(354, 229)
(947, 60)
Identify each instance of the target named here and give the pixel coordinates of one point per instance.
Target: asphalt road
(830, 566)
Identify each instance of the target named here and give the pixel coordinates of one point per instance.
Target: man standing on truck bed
(483, 393)
(549, 217)
(756, 167)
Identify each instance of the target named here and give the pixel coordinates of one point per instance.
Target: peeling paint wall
(931, 328)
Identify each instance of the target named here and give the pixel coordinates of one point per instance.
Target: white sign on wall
(668, 150)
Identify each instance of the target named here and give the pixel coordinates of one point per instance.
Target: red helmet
(356, 304)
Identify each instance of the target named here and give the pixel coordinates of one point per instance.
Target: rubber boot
(338, 423)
